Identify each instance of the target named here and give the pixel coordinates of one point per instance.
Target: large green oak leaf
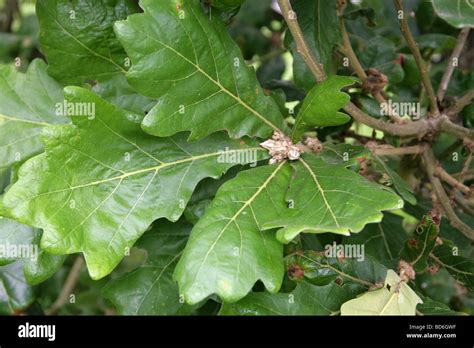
(227, 251)
(188, 60)
(100, 184)
(330, 198)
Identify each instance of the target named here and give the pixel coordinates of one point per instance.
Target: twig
(464, 204)
(446, 177)
(347, 50)
(461, 103)
(430, 166)
(405, 29)
(413, 129)
(449, 127)
(301, 45)
(68, 287)
(387, 150)
(443, 86)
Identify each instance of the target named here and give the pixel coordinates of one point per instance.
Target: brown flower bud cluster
(280, 148)
(406, 271)
(375, 82)
(314, 144)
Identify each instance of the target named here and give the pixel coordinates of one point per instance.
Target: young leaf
(330, 198)
(417, 249)
(102, 183)
(228, 251)
(461, 268)
(149, 289)
(78, 38)
(306, 299)
(320, 26)
(202, 80)
(15, 294)
(321, 105)
(395, 298)
(458, 13)
(28, 104)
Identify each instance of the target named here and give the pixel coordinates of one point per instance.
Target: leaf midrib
(145, 170)
(234, 217)
(320, 189)
(218, 84)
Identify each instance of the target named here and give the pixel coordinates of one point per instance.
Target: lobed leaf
(99, 185)
(227, 251)
(202, 82)
(330, 198)
(321, 105)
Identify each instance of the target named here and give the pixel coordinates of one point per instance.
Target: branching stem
(425, 78)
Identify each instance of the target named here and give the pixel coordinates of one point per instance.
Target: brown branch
(430, 166)
(449, 127)
(301, 45)
(413, 129)
(463, 203)
(388, 150)
(405, 29)
(347, 49)
(443, 86)
(461, 103)
(447, 178)
(68, 287)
